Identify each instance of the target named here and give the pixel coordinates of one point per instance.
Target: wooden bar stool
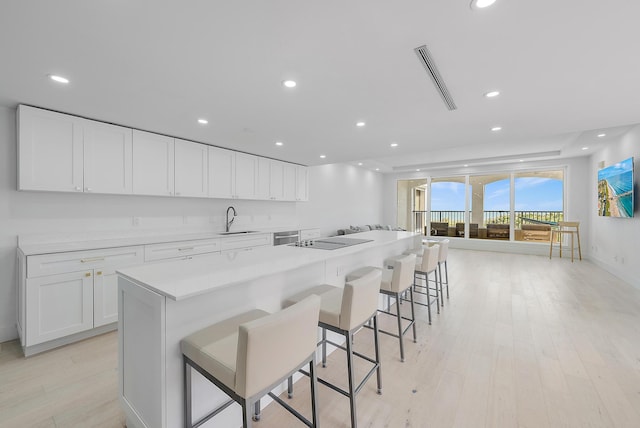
(344, 311)
(250, 354)
(571, 228)
(395, 282)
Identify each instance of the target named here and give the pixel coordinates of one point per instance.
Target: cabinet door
(302, 183)
(246, 176)
(107, 158)
(153, 163)
(58, 305)
(221, 173)
(276, 180)
(264, 178)
(49, 151)
(191, 169)
(105, 297)
(289, 182)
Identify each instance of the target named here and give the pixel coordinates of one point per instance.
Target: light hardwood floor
(523, 341)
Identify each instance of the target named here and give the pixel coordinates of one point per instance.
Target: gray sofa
(366, 228)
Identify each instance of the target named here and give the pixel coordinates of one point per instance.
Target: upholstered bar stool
(571, 228)
(442, 261)
(395, 282)
(344, 311)
(426, 265)
(250, 354)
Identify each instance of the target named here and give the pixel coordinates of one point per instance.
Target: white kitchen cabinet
(232, 175)
(306, 234)
(107, 158)
(180, 250)
(191, 169)
(65, 296)
(276, 180)
(153, 164)
(50, 151)
(245, 242)
(289, 182)
(59, 152)
(222, 166)
(59, 305)
(264, 178)
(302, 183)
(246, 176)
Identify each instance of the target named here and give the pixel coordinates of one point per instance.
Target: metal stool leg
(400, 335)
(187, 394)
(413, 315)
(350, 374)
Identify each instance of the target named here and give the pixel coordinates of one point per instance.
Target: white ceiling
(567, 69)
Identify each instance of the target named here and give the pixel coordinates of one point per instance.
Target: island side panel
(141, 355)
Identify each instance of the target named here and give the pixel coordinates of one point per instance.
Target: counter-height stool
(442, 262)
(250, 354)
(344, 311)
(566, 228)
(427, 264)
(395, 282)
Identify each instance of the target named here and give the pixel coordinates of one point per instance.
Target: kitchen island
(161, 304)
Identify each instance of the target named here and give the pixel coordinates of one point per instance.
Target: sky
(532, 194)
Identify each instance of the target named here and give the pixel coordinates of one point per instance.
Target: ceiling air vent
(424, 56)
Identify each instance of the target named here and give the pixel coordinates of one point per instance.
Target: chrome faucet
(232, 218)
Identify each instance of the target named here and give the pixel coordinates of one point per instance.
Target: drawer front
(306, 234)
(173, 250)
(75, 261)
(238, 243)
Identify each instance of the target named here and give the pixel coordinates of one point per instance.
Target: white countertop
(32, 245)
(182, 279)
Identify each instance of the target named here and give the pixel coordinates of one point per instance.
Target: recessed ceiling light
(492, 94)
(360, 124)
(394, 144)
(481, 4)
(417, 169)
(377, 169)
(496, 128)
(322, 156)
(279, 143)
(602, 135)
(521, 160)
(289, 83)
(58, 79)
(203, 121)
(359, 163)
(465, 165)
(585, 148)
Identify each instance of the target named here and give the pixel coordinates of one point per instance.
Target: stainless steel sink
(238, 233)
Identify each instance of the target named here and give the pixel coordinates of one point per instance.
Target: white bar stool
(395, 282)
(426, 264)
(442, 261)
(250, 354)
(344, 311)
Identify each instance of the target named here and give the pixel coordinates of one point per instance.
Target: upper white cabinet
(246, 176)
(191, 169)
(49, 151)
(222, 166)
(302, 183)
(65, 153)
(107, 158)
(59, 152)
(153, 164)
(289, 182)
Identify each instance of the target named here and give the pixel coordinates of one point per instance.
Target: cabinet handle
(78, 188)
(99, 272)
(95, 259)
(186, 249)
(88, 189)
(88, 274)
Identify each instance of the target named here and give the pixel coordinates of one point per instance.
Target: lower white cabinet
(63, 294)
(58, 306)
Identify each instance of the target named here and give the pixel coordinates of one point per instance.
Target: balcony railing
(489, 217)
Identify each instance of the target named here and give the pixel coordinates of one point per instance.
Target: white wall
(577, 203)
(340, 195)
(614, 241)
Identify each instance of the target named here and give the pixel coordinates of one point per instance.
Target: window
(490, 200)
(538, 204)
